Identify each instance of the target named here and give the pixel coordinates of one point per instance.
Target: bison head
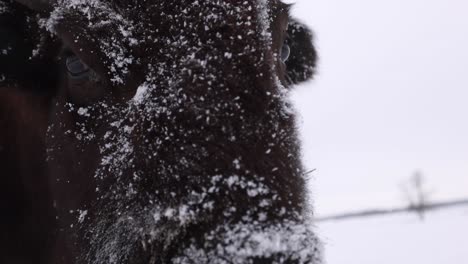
(171, 139)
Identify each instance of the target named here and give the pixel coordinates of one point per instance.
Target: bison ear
(302, 62)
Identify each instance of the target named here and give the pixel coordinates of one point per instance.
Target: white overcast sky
(391, 97)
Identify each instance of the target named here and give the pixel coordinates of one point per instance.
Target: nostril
(76, 67)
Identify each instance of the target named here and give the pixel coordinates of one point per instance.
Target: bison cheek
(71, 163)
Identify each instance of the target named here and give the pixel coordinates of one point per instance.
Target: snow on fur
(126, 223)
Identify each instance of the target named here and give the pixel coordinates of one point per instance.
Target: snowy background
(391, 98)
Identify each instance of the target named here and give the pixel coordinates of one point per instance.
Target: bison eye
(285, 52)
(76, 67)
(84, 85)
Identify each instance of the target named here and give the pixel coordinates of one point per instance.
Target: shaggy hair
(170, 136)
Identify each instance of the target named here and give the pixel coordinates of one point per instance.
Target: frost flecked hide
(191, 155)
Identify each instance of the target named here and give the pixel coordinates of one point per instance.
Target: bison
(152, 131)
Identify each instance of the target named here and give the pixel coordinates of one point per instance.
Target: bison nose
(75, 67)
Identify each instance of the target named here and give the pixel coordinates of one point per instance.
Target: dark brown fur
(27, 214)
(27, 84)
(224, 116)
